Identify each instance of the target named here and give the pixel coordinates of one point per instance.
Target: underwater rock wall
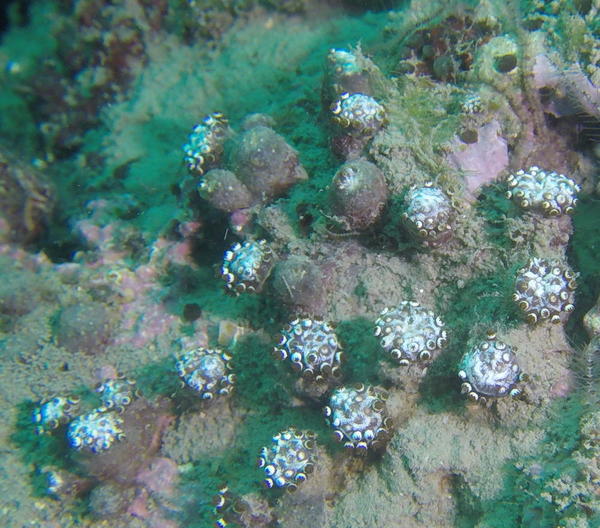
(356, 245)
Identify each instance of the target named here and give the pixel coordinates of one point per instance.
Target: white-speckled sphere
(116, 393)
(490, 369)
(359, 417)
(207, 371)
(48, 415)
(96, 431)
(289, 459)
(410, 333)
(247, 266)
(358, 112)
(205, 143)
(551, 193)
(428, 214)
(312, 347)
(545, 290)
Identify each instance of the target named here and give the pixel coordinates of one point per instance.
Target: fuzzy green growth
(495, 208)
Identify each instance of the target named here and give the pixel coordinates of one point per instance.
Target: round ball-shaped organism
(205, 143)
(344, 73)
(428, 214)
(490, 370)
(117, 393)
(359, 417)
(312, 348)
(247, 266)
(410, 333)
(548, 192)
(224, 191)
(48, 415)
(545, 290)
(300, 285)
(358, 194)
(289, 459)
(266, 164)
(207, 371)
(358, 113)
(96, 431)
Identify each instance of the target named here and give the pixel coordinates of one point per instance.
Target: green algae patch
(543, 490)
(361, 351)
(495, 208)
(39, 451)
(258, 381)
(584, 255)
(158, 378)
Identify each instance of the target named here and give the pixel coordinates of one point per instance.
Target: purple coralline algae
(54, 412)
(551, 193)
(359, 417)
(428, 214)
(410, 333)
(490, 370)
(207, 371)
(358, 194)
(545, 290)
(247, 266)
(312, 347)
(96, 431)
(289, 459)
(117, 393)
(205, 143)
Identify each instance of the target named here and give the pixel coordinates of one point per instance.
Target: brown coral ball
(358, 194)
(224, 191)
(85, 327)
(299, 284)
(266, 164)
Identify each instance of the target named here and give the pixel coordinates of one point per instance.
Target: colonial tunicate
(289, 459)
(359, 417)
(545, 290)
(490, 370)
(410, 333)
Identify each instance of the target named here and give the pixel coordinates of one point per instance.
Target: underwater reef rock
(434, 105)
(27, 200)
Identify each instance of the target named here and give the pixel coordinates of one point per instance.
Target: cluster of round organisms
(359, 113)
(117, 393)
(428, 213)
(96, 431)
(312, 347)
(359, 417)
(410, 333)
(547, 191)
(545, 290)
(289, 459)
(207, 371)
(205, 143)
(490, 370)
(247, 266)
(54, 412)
